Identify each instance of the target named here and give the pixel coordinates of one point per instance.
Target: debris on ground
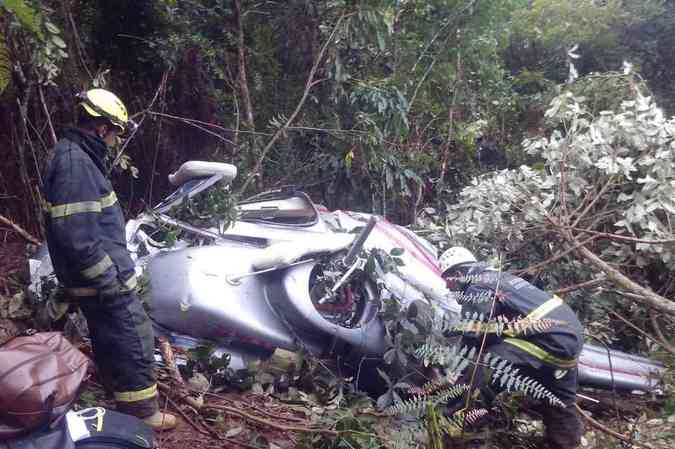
(289, 402)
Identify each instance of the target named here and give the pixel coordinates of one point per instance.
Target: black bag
(114, 430)
(54, 437)
(108, 429)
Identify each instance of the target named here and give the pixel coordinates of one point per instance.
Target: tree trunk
(242, 79)
(451, 120)
(244, 93)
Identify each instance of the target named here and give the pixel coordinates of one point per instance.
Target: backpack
(40, 376)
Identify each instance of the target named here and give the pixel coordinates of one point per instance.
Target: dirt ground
(211, 428)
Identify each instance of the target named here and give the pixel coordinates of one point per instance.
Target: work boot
(161, 421)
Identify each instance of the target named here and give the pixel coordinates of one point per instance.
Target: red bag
(40, 376)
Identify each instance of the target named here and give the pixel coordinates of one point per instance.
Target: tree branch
(657, 328)
(52, 134)
(308, 86)
(608, 431)
(282, 427)
(621, 237)
(553, 258)
(641, 293)
(643, 333)
(593, 201)
(161, 86)
(22, 232)
(241, 61)
(581, 285)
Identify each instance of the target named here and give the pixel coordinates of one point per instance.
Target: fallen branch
(206, 431)
(608, 431)
(272, 415)
(22, 232)
(188, 419)
(283, 428)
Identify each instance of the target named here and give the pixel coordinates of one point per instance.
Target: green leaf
(58, 41)
(396, 252)
(52, 28)
(27, 15)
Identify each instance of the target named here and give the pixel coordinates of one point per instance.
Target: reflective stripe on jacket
(558, 345)
(83, 219)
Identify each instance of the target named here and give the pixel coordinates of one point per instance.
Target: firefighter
(550, 357)
(87, 244)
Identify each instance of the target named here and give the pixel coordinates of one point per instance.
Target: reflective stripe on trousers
(534, 350)
(135, 396)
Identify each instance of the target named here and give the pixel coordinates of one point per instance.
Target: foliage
(627, 154)
(456, 360)
(215, 207)
(206, 360)
(27, 15)
(602, 177)
(419, 402)
(417, 340)
(549, 28)
(43, 37)
(478, 324)
(359, 433)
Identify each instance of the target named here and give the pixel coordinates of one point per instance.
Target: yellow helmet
(103, 103)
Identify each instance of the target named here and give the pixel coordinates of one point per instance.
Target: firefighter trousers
(563, 427)
(123, 343)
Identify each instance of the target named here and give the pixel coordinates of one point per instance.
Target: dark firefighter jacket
(84, 221)
(558, 345)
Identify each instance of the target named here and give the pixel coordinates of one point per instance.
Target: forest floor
(265, 420)
(260, 421)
